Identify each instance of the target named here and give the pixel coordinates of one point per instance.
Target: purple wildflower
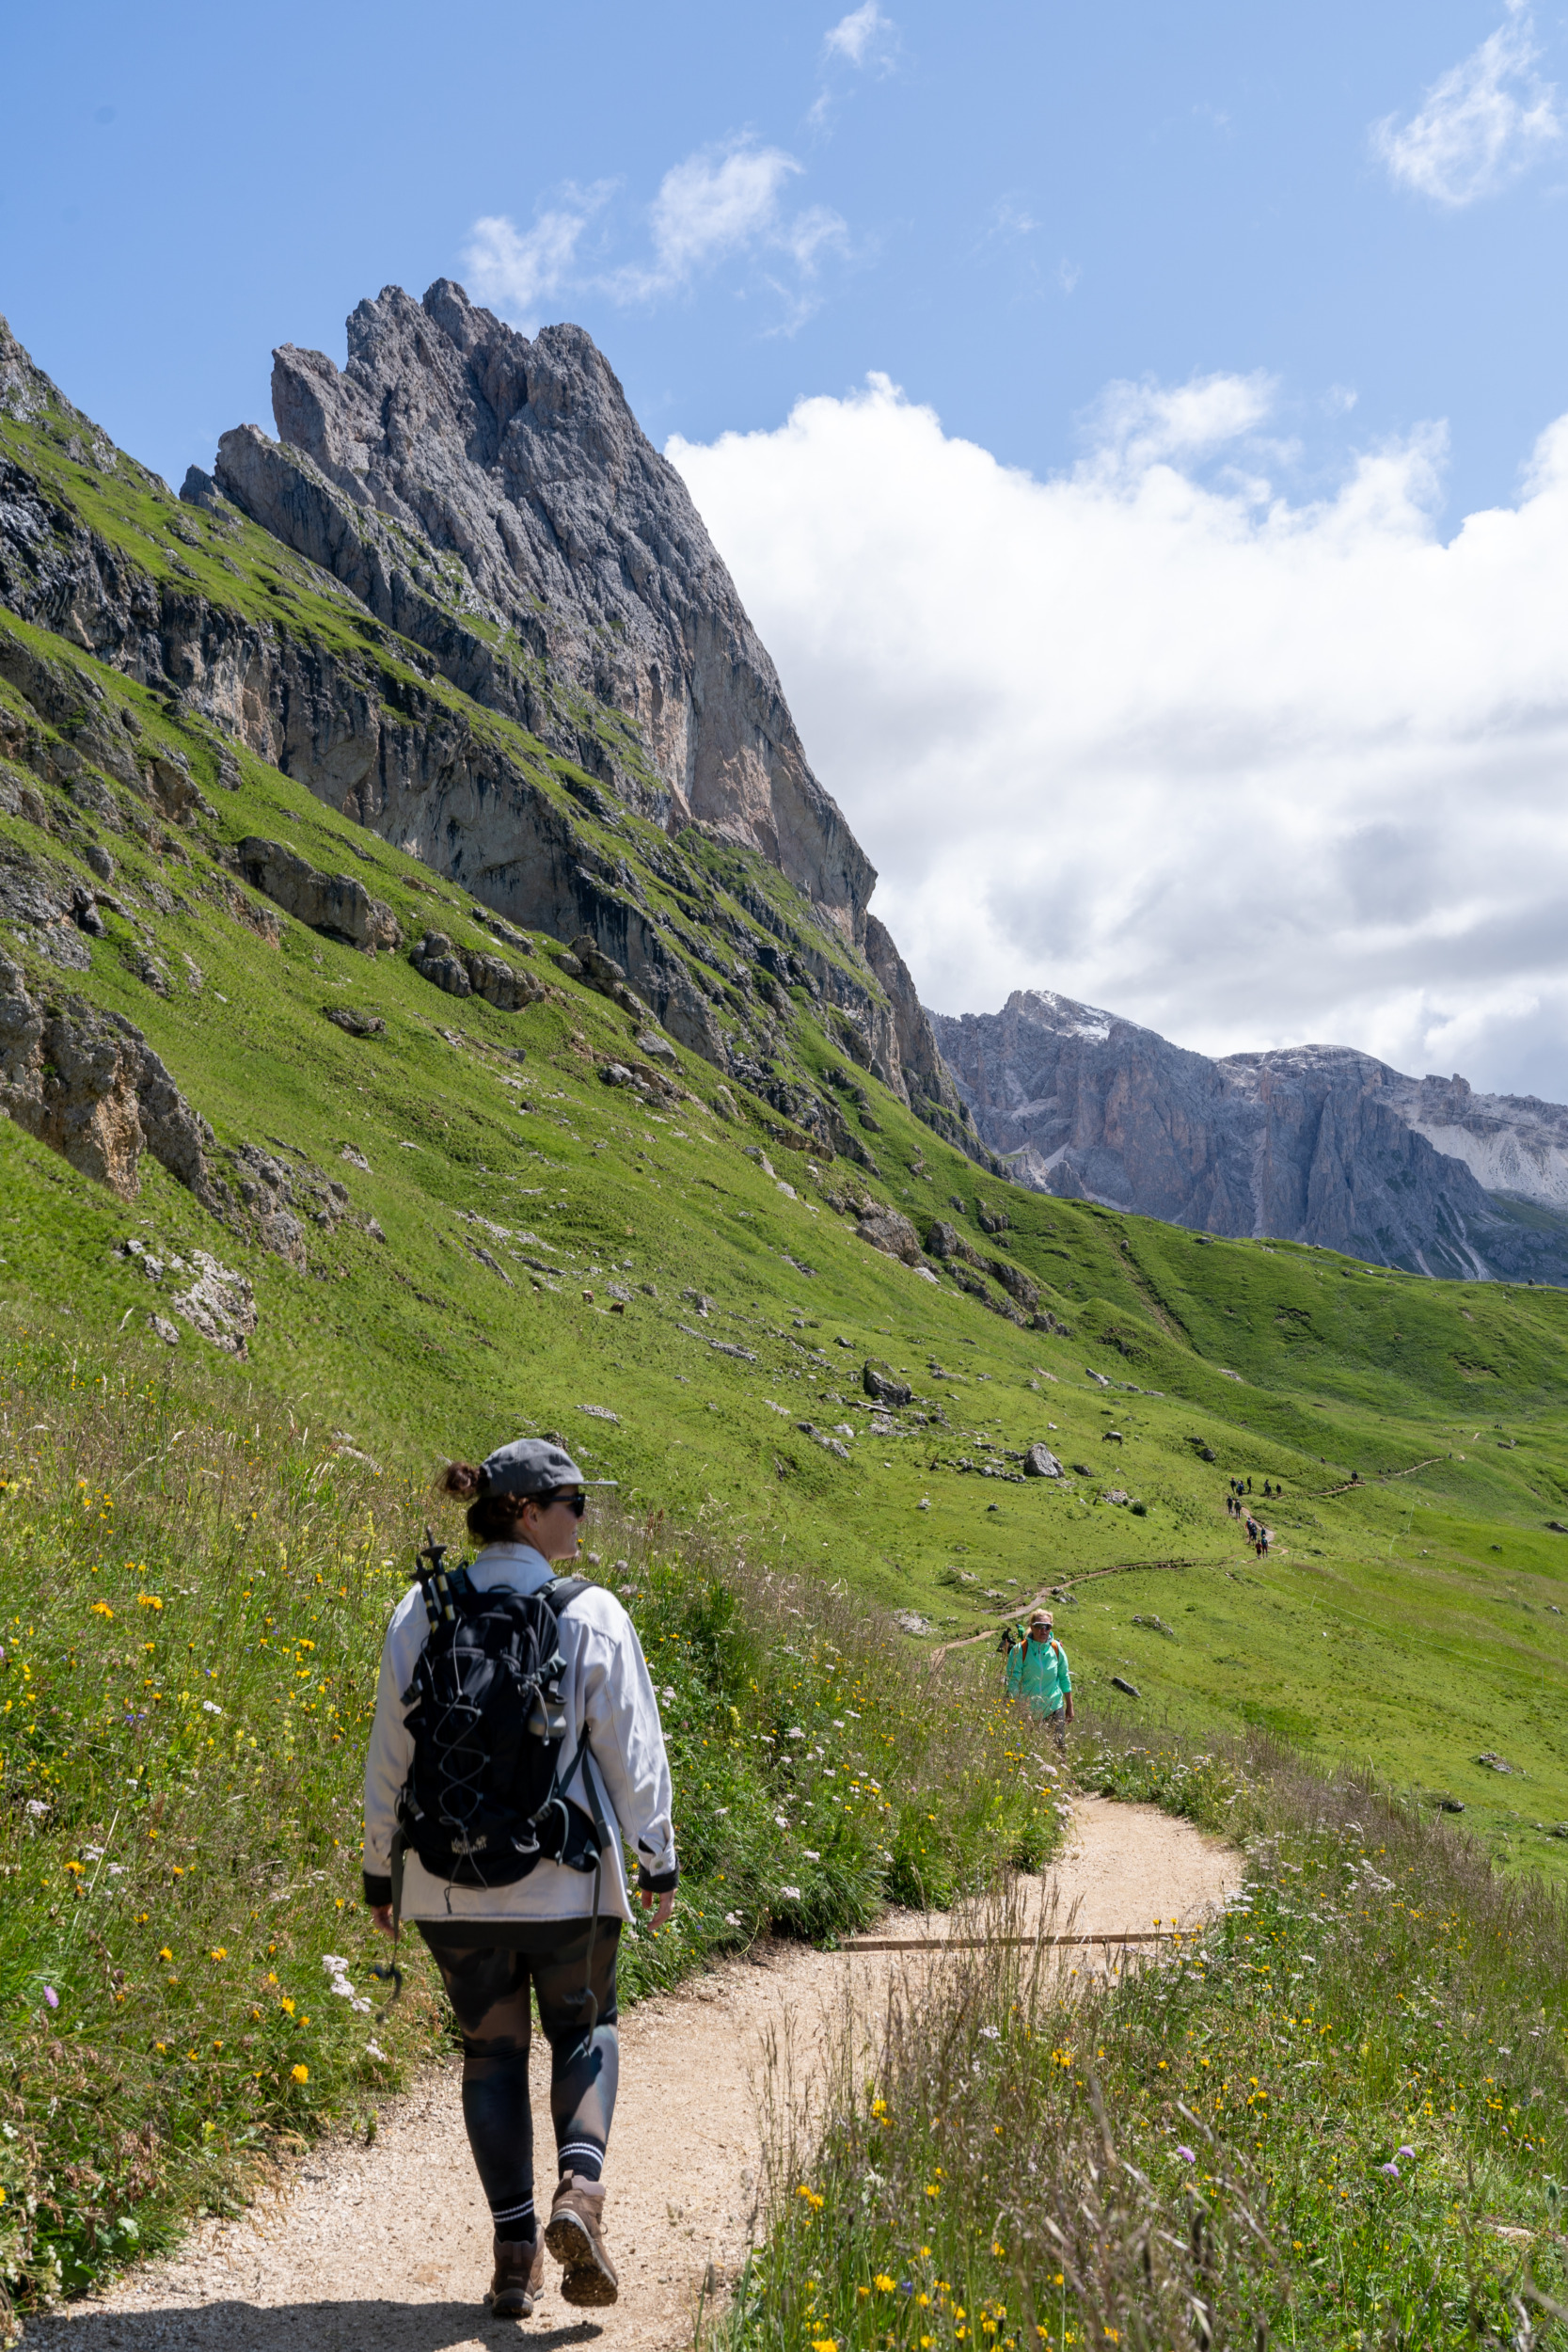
(51, 1996)
(1186, 2156)
(1390, 2171)
(1404, 2152)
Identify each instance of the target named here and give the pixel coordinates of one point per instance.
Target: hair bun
(461, 1479)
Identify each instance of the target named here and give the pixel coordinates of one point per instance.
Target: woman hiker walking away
(516, 1743)
(1037, 1671)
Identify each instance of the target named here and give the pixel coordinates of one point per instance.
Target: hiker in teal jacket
(1037, 1671)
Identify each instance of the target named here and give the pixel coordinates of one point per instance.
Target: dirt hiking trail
(386, 2249)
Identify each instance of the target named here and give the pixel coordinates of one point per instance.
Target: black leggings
(488, 1987)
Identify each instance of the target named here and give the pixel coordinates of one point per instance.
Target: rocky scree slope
(1313, 1143)
(378, 671)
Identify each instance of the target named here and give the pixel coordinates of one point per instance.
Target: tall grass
(193, 1593)
(1339, 2117)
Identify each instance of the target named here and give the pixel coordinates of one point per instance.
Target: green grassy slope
(1413, 1619)
(1409, 1619)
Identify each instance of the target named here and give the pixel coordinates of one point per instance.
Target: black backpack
(482, 1804)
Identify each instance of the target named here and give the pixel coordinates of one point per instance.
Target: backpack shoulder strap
(562, 1591)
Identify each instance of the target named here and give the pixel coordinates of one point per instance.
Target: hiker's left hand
(381, 1916)
(666, 1906)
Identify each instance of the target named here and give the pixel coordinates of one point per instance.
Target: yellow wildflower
(300, 2074)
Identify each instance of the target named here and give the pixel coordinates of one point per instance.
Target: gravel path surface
(386, 2249)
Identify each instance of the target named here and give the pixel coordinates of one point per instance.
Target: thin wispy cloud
(514, 270)
(722, 204)
(1479, 126)
(863, 38)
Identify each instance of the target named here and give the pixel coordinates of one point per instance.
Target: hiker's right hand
(381, 1916)
(666, 1905)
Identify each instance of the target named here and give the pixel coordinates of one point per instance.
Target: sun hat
(532, 1465)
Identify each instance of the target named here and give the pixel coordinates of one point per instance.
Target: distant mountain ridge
(1313, 1143)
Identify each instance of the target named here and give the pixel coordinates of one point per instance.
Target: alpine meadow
(438, 1003)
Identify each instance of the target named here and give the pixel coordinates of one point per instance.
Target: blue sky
(1137, 429)
(1013, 206)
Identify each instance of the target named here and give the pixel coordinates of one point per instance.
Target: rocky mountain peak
(1315, 1143)
(465, 480)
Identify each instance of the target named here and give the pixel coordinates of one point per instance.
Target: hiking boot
(519, 2278)
(575, 2236)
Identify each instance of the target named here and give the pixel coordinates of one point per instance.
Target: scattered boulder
(889, 1231)
(468, 972)
(165, 1330)
(649, 1085)
(1130, 1690)
(1040, 1462)
(879, 1384)
(1158, 1624)
(356, 1022)
(911, 1621)
(603, 972)
(1115, 1494)
(90, 1086)
(649, 1042)
(336, 904)
(220, 1305)
(1015, 1282)
(1083, 1469)
(1496, 1763)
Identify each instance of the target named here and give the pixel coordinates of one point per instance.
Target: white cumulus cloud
(1253, 772)
(1479, 126)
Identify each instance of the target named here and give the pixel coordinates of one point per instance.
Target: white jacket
(606, 1690)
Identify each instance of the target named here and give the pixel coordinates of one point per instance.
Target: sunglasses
(577, 1504)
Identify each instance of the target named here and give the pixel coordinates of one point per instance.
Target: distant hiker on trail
(516, 1743)
(1037, 1671)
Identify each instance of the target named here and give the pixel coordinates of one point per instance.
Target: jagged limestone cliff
(1312, 1143)
(421, 603)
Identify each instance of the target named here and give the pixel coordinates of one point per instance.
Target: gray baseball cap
(532, 1465)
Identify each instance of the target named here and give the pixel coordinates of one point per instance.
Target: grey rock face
(454, 465)
(483, 561)
(1315, 1143)
(91, 1087)
(336, 903)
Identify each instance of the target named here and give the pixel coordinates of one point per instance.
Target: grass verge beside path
(1336, 2118)
(193, 1593)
